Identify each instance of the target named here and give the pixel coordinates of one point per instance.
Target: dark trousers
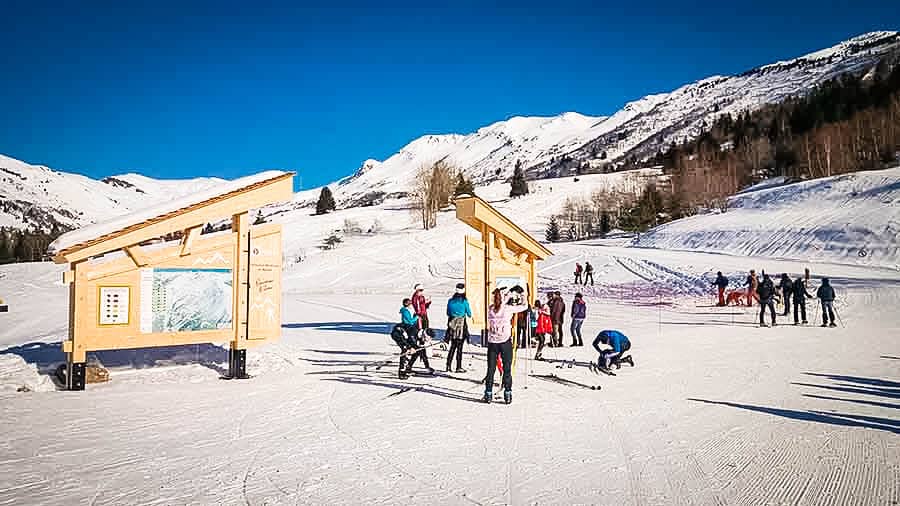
(556, 338)
(786, 297)
(456, 347)
(587, 276)
(577, 278)
(505, 351)
(542, 340)
(827, 311)
(411, 360)
(763, 304)
(801, 306)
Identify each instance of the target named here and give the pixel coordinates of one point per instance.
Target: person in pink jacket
(499, 343)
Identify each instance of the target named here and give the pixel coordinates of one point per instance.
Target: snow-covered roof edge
(118, 223)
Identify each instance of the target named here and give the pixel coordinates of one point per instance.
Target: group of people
(545, 321)
(765, 291)
(586, 272)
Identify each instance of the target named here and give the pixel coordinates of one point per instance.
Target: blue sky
(182, 89)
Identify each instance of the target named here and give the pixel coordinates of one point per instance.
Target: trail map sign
(199, 288)
(503, 257)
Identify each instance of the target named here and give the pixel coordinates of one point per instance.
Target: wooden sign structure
(126, 292)
(504, 256)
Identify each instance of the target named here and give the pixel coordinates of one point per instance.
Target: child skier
(618, 343)
(544, 329)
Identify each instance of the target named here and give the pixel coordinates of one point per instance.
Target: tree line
(24, 245)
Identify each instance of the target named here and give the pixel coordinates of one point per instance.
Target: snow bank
(852, 218)
(120, 222)
(16, 375)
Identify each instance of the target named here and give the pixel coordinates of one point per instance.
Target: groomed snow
(716, 411)
(100, 229)
(852, 218)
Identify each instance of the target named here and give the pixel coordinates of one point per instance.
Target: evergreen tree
(326, 201)
(604, 223)
(518, 184)
(463, 186)
(553, 234)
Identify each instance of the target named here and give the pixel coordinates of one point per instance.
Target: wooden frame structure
(117, 298)
(504, 251)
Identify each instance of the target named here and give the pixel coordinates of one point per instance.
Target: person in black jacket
(800, 296)
(825, 293)
(766, 292)
(721, 282)
(787, 288)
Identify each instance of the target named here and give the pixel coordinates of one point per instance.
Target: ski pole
(839, 317)
(381, 363)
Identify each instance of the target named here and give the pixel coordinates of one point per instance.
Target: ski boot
(832, 324)
(460, 370)
(507, 396)
(488, 397)
(404, 375)
(429, 371)
(823, 325)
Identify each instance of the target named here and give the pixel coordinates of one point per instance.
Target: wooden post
(237, 353)
(487, 240)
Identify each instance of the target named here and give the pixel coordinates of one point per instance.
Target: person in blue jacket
(618, 343)
(458, 310)
(410, 323)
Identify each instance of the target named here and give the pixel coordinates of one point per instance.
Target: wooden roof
(476, 212)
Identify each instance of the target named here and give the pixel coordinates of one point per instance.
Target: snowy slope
(34, 196)
(852, 218)
(552, 146)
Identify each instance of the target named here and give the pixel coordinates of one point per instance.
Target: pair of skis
(381, 363)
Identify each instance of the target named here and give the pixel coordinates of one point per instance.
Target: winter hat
(417, 287)
(460, 288)
(578, 295)
(406, 302)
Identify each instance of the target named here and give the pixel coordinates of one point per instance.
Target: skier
(752, 284)
(544, 328)
(618, 343)
(800, 296)
(458, 310)
(766, 292)
(825, 293)
(579, 313)
(721, 282)
(557, 316)
(787, 289)
(588, 273)
(500, 344)
(410, 324)
(578, 271)
(420, 305)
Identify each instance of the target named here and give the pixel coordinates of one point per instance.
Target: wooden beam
(476, 213)
(137, 255)
(187, 242)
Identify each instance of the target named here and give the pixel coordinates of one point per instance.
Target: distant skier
(618, 344)
(410, 324)
(766, 292)
(578, 270)
(752, 284)
(544, 329)
(499, 316)
(579, 313)
(557, 316)
(787, 289)
(458, 310)
(800, 296)
(721, 282)
(588, 273)
(825, 293)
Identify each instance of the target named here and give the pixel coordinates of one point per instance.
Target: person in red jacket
(544, 327)
(420, 304)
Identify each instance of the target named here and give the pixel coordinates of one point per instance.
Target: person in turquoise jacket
(410, 323)
(458, 310)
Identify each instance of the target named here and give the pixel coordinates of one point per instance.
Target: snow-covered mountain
(37, 197)
(553, 146)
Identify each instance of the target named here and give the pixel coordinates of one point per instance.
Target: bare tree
(432, 190)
